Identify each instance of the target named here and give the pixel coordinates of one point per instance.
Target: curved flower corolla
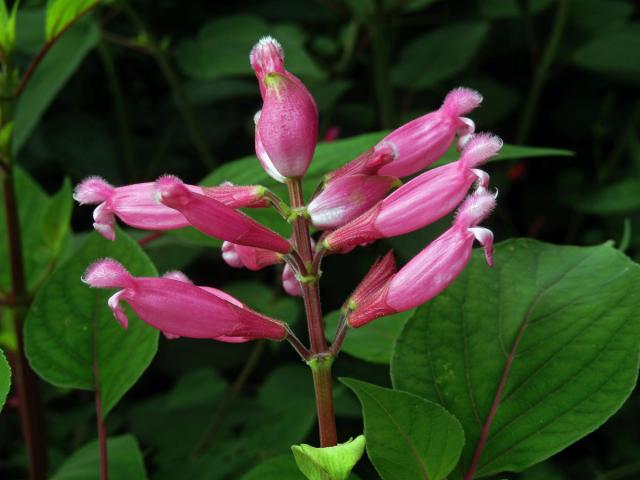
(287, 126)
(179, 308)
(425, 139)
(344, 198)
(215, 219)
(435, 267)
(136, 206)
(421, 201)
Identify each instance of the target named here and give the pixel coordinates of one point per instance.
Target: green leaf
(5, 379)
(373, 342)
(267, 300)
(408, 437)
(615, 198)
(34, 206)
(8, 27)
(501, 9)
(57, 217)
(62, 13)
(50, 76)
(329, 463)
(124, 457)
(282, 467)
(70, 328)
(558, 324)
(222, 48)
(615, 52)
(438, 55)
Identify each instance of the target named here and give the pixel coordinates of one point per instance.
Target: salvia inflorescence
(359, 203)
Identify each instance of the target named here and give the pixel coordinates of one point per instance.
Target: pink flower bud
(215, 219)
(374, 280)
(424, 140)
(346, 197)
(239, 256)
(367, 163)
(435, 267)
(288, 124)
(290, 283)
(136, 206)
(421, 201)
(179, 308)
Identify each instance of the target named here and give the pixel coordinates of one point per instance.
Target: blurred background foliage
(147, 87)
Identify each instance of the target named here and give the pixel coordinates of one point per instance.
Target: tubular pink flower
(367, 163)
(421, 201)
(378, 275)
(136, 206)
(424, 140)
(239, 256)
(179, 308)
(215, 219)
(290, 283)
(287, 127)
(344, 198)
(435, 267)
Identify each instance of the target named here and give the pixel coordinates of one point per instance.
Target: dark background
(181, 99)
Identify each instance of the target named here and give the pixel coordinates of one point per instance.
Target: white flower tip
(92, 190)
(475, 208)
(480, 148)
(170, 189)
(230, 255)
(461, 101)
(107, 230)
(267, 55)
(107, 273)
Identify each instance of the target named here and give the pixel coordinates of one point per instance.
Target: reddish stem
(26, 382)
(321, 363)
(152, 237)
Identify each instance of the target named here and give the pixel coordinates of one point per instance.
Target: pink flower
(424, 140)
(290, 283)
(423, 200)
(344, 198)
(367, 163)
(136, 206)
(215, 219)
(288, 123)
(435, 267)
(374, 280)
(239, 256)
(179, 308)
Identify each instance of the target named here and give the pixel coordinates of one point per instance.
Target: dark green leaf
(374, 342)
(57, 67)
(438, 55)
(222, 48)
(70, 328)
(408, 437)
(614, 198)
(40, 248)
(559, 324)
(500, 9)
(266, 300)
(282, 467)
(124, 457)
(615, 52)
(57, 217)
(5, 379)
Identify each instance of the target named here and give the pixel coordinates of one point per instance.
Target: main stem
(26, 382)
(321, 363)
